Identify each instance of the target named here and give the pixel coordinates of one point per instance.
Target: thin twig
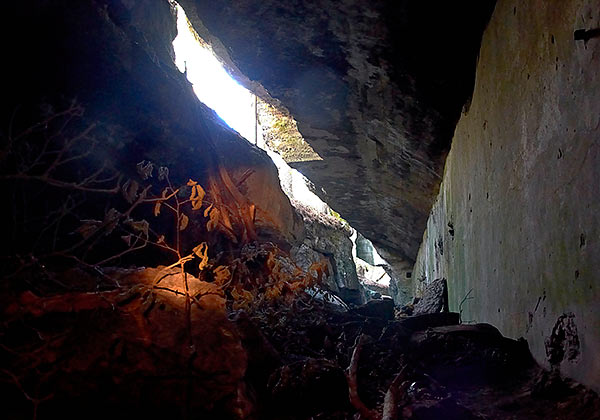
(61, 184)
(35, 401)
(125, 252)
(352, 376)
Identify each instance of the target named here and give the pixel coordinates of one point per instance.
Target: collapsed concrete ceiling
(376, 88)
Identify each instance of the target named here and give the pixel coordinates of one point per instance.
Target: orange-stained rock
(134, 347)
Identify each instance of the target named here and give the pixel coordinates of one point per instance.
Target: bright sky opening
(236, 106)
(211, 83)
(232, 102)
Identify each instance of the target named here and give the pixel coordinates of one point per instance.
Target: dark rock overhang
(376, 87)
(116, 64)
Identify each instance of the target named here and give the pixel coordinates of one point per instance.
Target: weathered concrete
(515, 227)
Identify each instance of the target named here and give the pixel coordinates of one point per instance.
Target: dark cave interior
(153, 266)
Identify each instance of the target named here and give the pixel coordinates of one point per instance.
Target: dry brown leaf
(242, 298)
(127, 239)
(222, 274)
(183, 222)
(129, 190)
(163, 173)
(214, 220)
(139, 226)
(111, 219)
(197, 196)
(145, 169)
(202, 252)
(207, 210)
(89, 227)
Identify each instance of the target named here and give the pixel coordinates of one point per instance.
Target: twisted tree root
(393, 396)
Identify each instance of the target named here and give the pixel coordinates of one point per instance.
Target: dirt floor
(136, 349)
(437, 369)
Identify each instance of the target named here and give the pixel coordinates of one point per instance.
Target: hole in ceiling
(211, 83)
(258, 122)
(266, 126)
(254, 119)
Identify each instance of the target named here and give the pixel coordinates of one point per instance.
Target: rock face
(115, 59)
(376, 88)
(364, 249)
(364, 80)
(132, 349)
(329, 238)
(435, 298)
(377, 308)
(512, 227)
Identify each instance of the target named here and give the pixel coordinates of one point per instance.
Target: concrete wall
(516, 225)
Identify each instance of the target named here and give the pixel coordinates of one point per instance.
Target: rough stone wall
(515, 227)
(327, 237)
(116, 58)
(376, 88)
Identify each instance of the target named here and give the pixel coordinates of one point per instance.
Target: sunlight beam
(211, 83)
